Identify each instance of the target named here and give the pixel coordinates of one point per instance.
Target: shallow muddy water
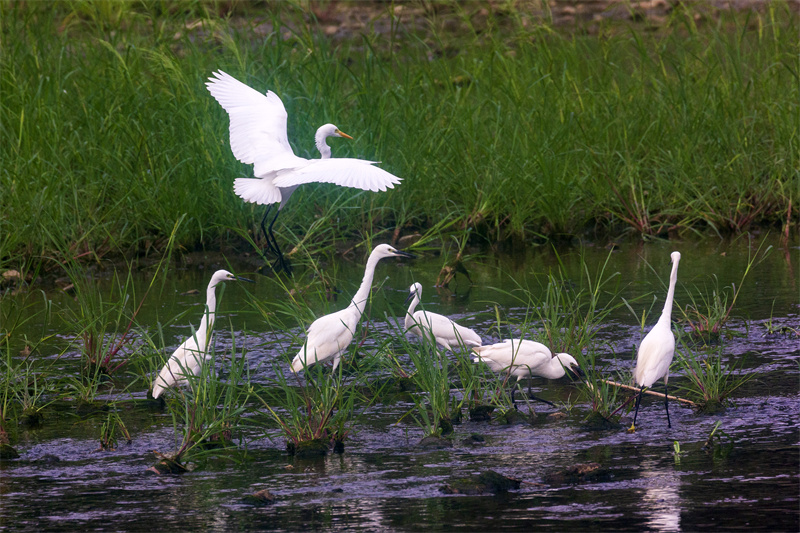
(746, 479)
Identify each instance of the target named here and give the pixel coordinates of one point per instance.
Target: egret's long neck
(666, 314)
(410, 313)
(322, 145)
(207, 324)
(362, 294)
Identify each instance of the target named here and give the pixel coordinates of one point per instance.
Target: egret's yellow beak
(340, 133)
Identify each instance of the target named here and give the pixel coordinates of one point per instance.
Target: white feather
(446, 332)
(524, 358)
(189, 357)
(258, 137)
(329, 336)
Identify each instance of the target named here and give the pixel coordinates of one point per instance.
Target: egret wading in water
(258, 137)
(329, 336)
(446, 332)
(188, 358)
(526, 359)
(657, 348)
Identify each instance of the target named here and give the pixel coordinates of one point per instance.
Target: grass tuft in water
(319, 411)
(710, 380)
(111, 430)
(710, 309)
(209, 412)
(26, 384)
(719, 444)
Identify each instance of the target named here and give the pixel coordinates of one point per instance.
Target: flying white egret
(446, 332)
(329, 336)
(526, 359)
(188, 358)
(258, 137)
(657, 348)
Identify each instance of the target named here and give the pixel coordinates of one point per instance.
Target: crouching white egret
(657, 348)
(329, 336)
(446, 332)
(526, 359)
(188, 358)
(258, 137)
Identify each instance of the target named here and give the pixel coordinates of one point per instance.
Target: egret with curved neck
(188, 358)
(258, 136)
(526, 359)
(329, 336)
(657, 348)
(445, 332)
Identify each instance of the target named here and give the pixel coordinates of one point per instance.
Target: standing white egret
(258, 136)
(329, 336)
(188, 358)
(446, 332)
(526, 359)
(657, 348)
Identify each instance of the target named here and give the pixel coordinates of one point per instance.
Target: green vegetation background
(506, 129)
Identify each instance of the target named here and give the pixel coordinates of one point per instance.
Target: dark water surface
(383, 481)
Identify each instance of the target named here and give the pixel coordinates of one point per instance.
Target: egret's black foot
(282, 265)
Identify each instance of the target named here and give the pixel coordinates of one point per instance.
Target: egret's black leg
(532, 397)
(638, 400)
(272, 244)
(282, 261)
(264, 229)
(666, 404)
(513, 402)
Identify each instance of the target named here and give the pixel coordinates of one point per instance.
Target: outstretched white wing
(258, 137)
(343, 171)
(258, 124)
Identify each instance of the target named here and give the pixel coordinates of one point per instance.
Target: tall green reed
(523, 132)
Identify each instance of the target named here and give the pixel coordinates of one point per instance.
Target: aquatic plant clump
(711, 381)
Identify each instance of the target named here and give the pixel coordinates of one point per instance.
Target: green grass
(320, 411)
(525, 132)
(709, 380)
